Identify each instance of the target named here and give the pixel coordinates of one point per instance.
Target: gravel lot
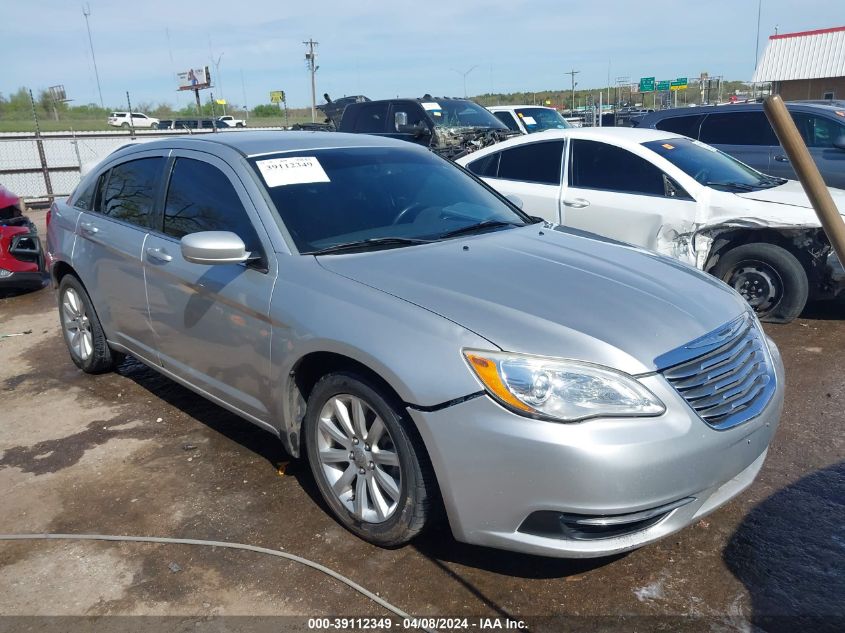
(134, 453)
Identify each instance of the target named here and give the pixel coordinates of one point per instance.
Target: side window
(201, 198)
(487, 167)
(138, 115)
(371, 118)
(83, 198)
(738, 128)
(405, 116)
(130, 192)
(597, 165)
(817, 131)
(507, 119)
(533, 162)
(686, 125)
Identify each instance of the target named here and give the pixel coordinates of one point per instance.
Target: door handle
(781, 158)
(159, 254)
(577, 203)
(89, 228)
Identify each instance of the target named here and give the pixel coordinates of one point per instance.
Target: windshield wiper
(475, 228)
(734, 185)
(369, 243)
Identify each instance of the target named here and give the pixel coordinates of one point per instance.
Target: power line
(86, 11)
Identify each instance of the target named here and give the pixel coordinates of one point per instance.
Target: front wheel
(769, 277)
(371, 469)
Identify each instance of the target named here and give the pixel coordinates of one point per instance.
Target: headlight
(564, 390)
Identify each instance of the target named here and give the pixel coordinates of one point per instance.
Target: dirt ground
(134, 453)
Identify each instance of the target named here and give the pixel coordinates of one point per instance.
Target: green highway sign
(679, 84)
(663, 85)
(646, 84)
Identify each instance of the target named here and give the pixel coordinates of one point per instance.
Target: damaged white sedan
(679, 197)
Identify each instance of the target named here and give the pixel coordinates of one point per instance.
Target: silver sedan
(424, 344)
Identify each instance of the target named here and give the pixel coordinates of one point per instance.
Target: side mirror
(839, 142)
(213, 247)
(515, 200)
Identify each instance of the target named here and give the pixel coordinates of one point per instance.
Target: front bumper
(495, 469)
(22, 280)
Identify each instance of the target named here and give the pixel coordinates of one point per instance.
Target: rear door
(613, 192)
(748, 137)
(109, 247)
(819, 133)
(211, 322)
(528, 171)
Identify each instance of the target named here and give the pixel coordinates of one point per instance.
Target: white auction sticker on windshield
(431, 105)
(299, 170)
(529, 120)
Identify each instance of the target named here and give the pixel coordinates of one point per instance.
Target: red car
(21, 257)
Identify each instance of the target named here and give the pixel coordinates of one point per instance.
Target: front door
(211, 322)
(613, 192)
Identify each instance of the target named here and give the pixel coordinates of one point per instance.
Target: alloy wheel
(358, 458)
(76, 325)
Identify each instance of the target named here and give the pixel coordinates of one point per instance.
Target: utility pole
(572, 74)
(86, 11)
(243, 87)
(757, 44)
(311, 62)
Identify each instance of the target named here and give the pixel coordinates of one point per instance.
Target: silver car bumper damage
(496, 469)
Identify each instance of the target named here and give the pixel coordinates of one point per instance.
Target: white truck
(230, 121)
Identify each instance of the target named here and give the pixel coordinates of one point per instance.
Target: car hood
(554, 293)
(787, 203)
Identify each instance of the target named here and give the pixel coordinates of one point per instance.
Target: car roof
(616, 135)
(514, 107)
(256, 143)
(737, 107)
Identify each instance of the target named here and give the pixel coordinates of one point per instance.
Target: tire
(364, 480)
(124, 125)
(239, 125)
(769, 277)
(81, 329)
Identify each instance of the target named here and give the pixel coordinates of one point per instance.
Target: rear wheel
(769, 277)
(82, 331)
(124, 125)
(370, 468)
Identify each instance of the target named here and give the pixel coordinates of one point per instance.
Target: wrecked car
(681, 198)
(21, 259)
(424, 343)
(451, 127)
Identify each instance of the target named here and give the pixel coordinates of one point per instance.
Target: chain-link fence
(41, 167)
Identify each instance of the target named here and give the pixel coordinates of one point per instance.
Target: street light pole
(219, 79)
(464, 74)
(572, 74)
(86, 11)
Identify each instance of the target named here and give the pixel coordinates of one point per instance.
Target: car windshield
(377, 197)
(711, 167)
(539, 119)
(460, 113)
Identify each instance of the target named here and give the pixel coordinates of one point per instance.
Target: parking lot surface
(133, 453)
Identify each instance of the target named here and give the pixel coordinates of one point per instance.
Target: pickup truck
(451, 127)
(230, 121)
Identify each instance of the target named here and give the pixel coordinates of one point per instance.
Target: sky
(384, 48)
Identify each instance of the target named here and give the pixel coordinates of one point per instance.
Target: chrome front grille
(729, 378)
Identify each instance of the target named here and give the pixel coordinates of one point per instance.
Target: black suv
(743, 131)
